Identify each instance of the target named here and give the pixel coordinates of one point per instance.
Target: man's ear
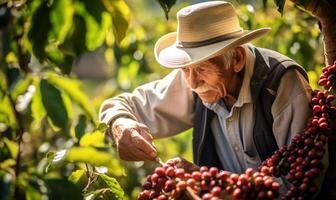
(239, 59)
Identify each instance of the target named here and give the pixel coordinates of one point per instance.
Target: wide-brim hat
(204, 30)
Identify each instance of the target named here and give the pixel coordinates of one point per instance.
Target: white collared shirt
(233, 130)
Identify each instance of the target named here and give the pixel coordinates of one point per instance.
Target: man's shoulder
(277, 62)
(269, 54)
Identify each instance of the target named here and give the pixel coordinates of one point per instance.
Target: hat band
(211, 40)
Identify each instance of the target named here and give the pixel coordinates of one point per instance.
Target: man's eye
(201, 69)
(184, 69)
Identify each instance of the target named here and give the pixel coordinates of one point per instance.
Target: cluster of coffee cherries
(170, 182)
(302, 162)
(328, 77)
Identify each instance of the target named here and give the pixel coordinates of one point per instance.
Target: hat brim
(169, 55)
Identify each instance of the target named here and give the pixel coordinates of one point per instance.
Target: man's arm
(291, 108)
(291, 111)
(159, 109)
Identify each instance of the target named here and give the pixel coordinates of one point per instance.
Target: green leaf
(61, 58)
(3, 84)
(32, 193)
(280, 4)
(75, 42)
(100, 194)
(53, 103)
(20, 87)
(37, 108)
(12, 147)
(76, 175)
(68, 104)
(13, 75)
(49, 157)
(91, 156)
(96, 194)
(79, 34)
(94, 157)
(61, 16)
(95, 10)
(62, 189)
(72, 88)
(96, 30)
(7, 115)
(166, 5)
(102, 127)
(9, 166)
(6, 164)
(80, 127)
(38, 33)
(120, 17)
(95, 139)
(113, 185)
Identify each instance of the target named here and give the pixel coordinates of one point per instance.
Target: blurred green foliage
(51, 144)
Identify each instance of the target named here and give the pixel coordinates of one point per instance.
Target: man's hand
(133, 140)
(182, 163)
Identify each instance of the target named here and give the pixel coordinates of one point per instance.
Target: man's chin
(208, 97)
(209, 100)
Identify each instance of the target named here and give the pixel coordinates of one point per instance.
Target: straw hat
(204, 30)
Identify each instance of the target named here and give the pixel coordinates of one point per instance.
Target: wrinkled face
(209, 79)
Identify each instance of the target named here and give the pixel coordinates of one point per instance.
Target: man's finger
(143, 145)
(144, 132)
(134, 155)
(125, 157)
(143, 126)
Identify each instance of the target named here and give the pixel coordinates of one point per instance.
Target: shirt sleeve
(291, 108)
(291, 111)
(166, 106)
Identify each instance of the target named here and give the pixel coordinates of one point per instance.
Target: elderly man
(242, 102)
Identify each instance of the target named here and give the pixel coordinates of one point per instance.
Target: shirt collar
(245, 92)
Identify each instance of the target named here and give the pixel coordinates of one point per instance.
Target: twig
(158, 160)
(19, 133)
(192, 194)
(91, 179)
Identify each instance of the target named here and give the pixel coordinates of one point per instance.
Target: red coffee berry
(170, 171)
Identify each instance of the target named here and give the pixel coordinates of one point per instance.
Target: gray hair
(227, 57)
(230, 54)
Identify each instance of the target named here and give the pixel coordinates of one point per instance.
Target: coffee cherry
(179, 173)
(170, 171)
(213, 171)
(196, 175)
